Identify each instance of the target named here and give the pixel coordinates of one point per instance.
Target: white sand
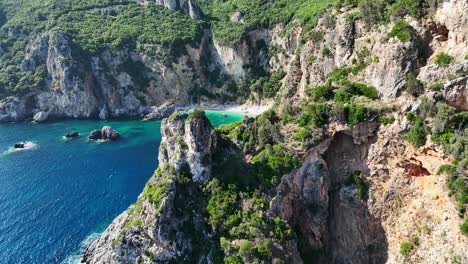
(250, 110)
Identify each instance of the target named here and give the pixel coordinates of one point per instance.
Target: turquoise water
(57, 196)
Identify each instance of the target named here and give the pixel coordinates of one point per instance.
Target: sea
(57, 195)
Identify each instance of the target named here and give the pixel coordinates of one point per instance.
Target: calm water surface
(58, 196)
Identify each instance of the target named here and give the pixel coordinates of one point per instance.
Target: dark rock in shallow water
(109, 133)
(106, 133)
(72, 135)
(95, 134)
(19, 145)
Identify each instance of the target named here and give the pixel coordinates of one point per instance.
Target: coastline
(248, 110)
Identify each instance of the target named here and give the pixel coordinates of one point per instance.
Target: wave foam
(27, 146)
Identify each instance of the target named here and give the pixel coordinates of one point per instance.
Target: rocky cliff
(167, 222)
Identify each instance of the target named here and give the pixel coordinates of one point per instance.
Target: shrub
(413, 86)
(426, 108)
(410, 116)
(196, 114)
(320, 93)
(360, 185)
(155, 192)
(464, 227)
(356, 114)
(302, 135)
(245, 248)
(417, 133)
(342, 96)
(405, 248)
(437, 87)
(402, 30)
(315, 115)
(273, 84)
(386, 120)
(326, 52)
(362, 89)
(407, 7)
(340, 75)
(444, 115)
(372, 11)
(443, 59)
(274, 161)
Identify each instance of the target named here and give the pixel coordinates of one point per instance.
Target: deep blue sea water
(58, 196)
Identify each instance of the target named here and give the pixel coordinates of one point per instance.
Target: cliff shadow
(353, 234)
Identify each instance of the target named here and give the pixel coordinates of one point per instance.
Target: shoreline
(248, 110)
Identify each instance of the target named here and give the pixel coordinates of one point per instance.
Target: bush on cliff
(417, 133)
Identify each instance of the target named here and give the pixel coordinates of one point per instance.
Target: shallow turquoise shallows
(57, 196)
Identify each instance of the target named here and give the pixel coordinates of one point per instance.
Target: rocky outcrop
(189, 144)
(187, 7)
(40, 117)
(321, 200)
(158, 113)
(106, 133)
(169, 227)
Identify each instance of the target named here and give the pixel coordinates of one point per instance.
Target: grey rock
(158, 113)
(104, 113)
(74, 134)
(456, 93)
(95, 135)
(108, 133)
(40, 117)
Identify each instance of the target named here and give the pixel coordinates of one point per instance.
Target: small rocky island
(19, 145)
(106, 133)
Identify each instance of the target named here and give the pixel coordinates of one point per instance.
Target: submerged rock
(74, 134)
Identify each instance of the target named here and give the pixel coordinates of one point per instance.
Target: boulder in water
(95, 134)
(106, 133)
(19, 145)
(72, 135)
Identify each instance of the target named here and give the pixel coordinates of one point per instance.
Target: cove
(58, 196)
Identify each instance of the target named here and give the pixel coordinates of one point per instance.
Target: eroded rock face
(320, 200)
(192, 143)
(172, 228)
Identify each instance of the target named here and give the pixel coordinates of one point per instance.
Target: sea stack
(106, 133)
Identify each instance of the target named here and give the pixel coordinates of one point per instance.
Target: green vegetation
(257, 13)
(320, 93)
(402, 30)
(443, 59)
(362, 89)
(386, 120)
(361, 187)
(272, 163)
(464, 227)
(405, 248)
(196, 114)
(417, 133)
(91, 26)
(268, 86)
(342, 96)
(155, 191)
(413, 86)
(241, 216)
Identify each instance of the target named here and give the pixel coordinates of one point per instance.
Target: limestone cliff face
(166, 224)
